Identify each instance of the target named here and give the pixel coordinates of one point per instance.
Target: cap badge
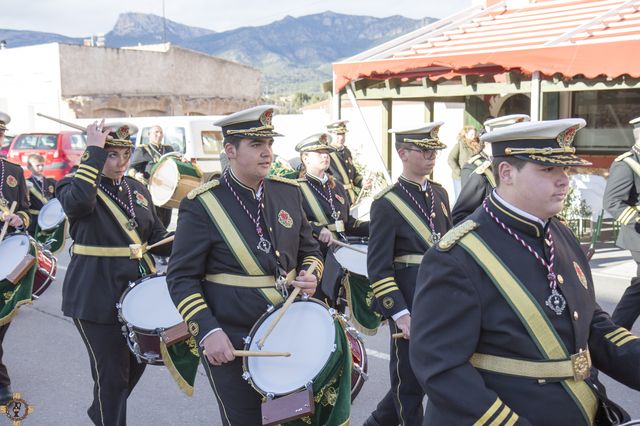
(123, 132)
(434, 132)
(266, 117)
(323, 138)
(566, 137)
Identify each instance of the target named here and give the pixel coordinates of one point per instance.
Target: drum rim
(254, 329)
(52, 202)
(120, 305)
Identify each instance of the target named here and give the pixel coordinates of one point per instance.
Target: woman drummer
(107, 212)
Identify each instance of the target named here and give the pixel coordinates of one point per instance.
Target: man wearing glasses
(406, 219)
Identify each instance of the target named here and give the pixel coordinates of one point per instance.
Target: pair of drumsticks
(5, 227)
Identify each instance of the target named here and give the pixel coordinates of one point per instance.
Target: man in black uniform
(106, 211)
(342, 166)
(12, 188)
(506, 327)
(326, 202)
(41, 188)
(621, 202)
(406, 219)
(477, 174)
(237, 237)
(144, 158)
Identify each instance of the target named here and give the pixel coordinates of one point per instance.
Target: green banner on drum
(332, 387)
(182, 361)
(359, 299)
(13, 296)
(54, 238)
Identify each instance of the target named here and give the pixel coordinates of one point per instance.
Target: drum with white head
(354, 261)
(51, 215)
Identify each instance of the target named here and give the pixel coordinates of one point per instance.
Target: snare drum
(52, 229)
(146, 310)
(172, 178)
(360, 366)
(15, 250)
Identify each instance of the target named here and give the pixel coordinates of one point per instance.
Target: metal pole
(535, 96)
(164, 25)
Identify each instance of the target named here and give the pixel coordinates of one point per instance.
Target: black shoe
(6, 395)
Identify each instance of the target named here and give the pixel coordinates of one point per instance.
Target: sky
(76, 18)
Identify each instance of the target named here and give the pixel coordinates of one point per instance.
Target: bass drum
(172, 178)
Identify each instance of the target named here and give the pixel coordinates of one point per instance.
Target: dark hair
(233, 140)
(513, 161)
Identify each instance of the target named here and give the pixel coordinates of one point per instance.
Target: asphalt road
(49, 365)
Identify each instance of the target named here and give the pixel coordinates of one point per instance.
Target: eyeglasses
(428, 154)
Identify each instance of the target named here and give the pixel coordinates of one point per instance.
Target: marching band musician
(13, 187)
(506, 328)
(477, 174)
(342, 166)
(326, 202)
(144, 158)
(107, 212)
(41, 188)
(406, 219)
(236, 237)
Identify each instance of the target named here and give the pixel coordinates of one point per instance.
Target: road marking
(376, 354)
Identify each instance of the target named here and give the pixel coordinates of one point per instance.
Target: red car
(61, 151)
(5, 143)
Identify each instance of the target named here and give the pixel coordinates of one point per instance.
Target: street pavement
(49, 365)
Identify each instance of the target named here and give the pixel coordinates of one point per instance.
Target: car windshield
(45, 142)
(78, 142)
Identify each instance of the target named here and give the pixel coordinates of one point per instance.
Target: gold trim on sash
(38, 195)
(541, 370)
(410, 216)
(531, 316)
(322, 219)
(85, 250)
(236, 244)
(123, 221)
(345, 177)
(250, 281)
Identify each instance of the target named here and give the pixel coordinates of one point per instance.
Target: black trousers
(4, 375)
(628, 308)
(164, 215)
(403, 403)
(238, 402)
(114, 369)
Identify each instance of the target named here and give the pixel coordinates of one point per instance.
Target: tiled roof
(546, 35)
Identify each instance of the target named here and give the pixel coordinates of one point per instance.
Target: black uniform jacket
(621, 199)
(475, 188)
(200, 249)
(458, 311)
(346, 160)
(341, 203)
(14, 188)
(393, 283)
(145, 157)
(40, 192)
(93, 284)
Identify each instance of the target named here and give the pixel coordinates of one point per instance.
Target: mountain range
(294, 54)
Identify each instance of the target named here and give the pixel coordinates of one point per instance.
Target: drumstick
(6, 222)
(69, 124)
(349, 246)
(260, 353)
(284, 308)
(161, 242)
(397, 335)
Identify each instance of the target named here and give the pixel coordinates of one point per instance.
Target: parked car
(61, 151)
(5, 143)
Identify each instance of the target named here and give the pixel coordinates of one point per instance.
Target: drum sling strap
(122, 220)
(318, 212)
(346, 182)
(532, 317)
(38, 195)
(238, 245)
(410, 216)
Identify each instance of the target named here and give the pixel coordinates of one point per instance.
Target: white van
(193, 136)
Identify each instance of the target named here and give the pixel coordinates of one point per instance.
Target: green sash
(13, 296)
(410, 216)
(332, 387)
(532, 317)
(344, 176)
(321, 217)
(359, 300)
(122, 220)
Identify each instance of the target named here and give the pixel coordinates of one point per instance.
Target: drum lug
(334, 348)
(270, 396)
(305, 296)
(118, 305)
(361, 373)
(270, 308)
(246, 376)
(247, 340)
(131, 284)
(309, 386)
(332, 311)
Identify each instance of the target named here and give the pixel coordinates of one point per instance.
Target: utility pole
(164, 25)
